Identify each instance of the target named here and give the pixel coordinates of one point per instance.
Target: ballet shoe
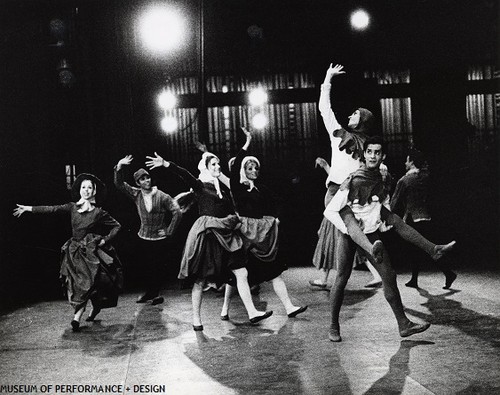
(224, 317)
(378, 251)
(334, 335)
(93, 314)
(442, 249)
(316, 284)
(144, 298)
(157, 300)
(374, 284)
(297, 312)
(75, 326)
(414, 328)
(198, 328)
(450, 277)
(267, 314)
(412, 284)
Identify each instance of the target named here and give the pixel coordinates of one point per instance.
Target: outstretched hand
(334, 70)
(155, 161)
(320, 162)
(19, 210)
(125, 160)
(201, 146)
(245, 130)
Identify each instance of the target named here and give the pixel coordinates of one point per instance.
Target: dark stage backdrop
(436, 89)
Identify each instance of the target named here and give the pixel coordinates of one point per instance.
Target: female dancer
(90, 268)
(213, 247)
(259, 230)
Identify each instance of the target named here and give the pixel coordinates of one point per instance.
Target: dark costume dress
(259, 227)
(213, 248)
(87, 270)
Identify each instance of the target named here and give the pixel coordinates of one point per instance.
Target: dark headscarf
(353, 139)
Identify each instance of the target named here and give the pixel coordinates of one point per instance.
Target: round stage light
(360, 20)
(167, 100)
(161, 29)
(169, 124)
(257, 97)
(259, 121)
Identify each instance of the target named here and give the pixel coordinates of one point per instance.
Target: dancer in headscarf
(347, 147)
(213, 247)
(90, 269)
(259, 226)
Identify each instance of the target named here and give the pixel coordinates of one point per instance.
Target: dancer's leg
(279, 287)
(393, 297)
(409, 234)
(228, 294)
(344, 258)
(245, 295)
(376, 280)
(75, 323)
(196, 299)
(357, 235)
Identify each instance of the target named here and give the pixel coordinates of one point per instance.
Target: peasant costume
(259, 228)
(213, 247)
(347, 150)
(88, 271)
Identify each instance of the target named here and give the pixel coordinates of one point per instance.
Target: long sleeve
(121, 185)
(108, 220)
(398, 199)
(62, 208)
(332, 211)
(235, 170)
(188, 178)
(324, 105)
(174, 208)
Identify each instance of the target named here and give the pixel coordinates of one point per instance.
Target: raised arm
(323, 164)
(235, 169)
(119, 178)
(157, 161)
(324, 104)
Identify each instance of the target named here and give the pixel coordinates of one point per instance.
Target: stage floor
(155, 346)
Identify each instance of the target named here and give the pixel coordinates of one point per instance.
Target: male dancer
(364, 193)
(160, 214)
(410, 202)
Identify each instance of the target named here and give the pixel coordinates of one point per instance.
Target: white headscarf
(205, 175)
(243, 177)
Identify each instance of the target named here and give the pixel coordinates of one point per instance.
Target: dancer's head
(374, 152)
(88, 187)
(415, 159)
(209, 164)
(143, 179)
(250, 168)
(361, 120)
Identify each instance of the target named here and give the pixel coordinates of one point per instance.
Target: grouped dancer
(160, 215)
(213, 247)
(346, 146)
(410, 201)
(364, 192)
(256, 209)
(90, 269)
